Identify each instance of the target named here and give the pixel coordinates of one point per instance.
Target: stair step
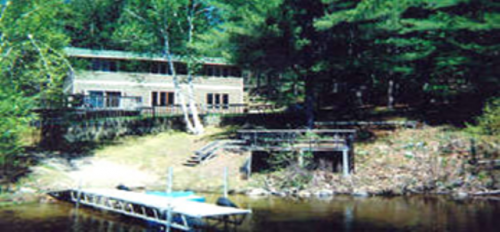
(189, 165)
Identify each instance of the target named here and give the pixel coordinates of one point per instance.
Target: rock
(304, 194)
(257, 192)
(457, 183)
(461, 195)
(279, 194)
(26, 190)
(324, 193)
(360, 193)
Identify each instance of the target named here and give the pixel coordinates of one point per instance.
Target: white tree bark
(198, 126)
(177, 86)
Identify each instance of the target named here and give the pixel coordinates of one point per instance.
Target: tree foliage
(428, 48)
(92, 23)
(32, 67)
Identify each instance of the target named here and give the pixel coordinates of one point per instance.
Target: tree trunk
(198, 126)
(309, 102)
(178, 90)
(390, 95)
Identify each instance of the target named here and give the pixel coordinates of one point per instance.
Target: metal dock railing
(170, 212)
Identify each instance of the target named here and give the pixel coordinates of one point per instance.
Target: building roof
(124, 55)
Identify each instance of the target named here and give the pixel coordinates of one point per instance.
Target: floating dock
(171, 212)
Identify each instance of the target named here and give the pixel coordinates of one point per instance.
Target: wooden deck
(340, 141)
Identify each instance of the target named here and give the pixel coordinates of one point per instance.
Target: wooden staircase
(210, 150)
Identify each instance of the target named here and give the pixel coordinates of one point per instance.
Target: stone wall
(70, 133)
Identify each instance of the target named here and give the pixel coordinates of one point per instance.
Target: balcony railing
(202, 109)
(97, 102)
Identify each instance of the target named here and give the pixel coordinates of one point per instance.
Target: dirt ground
(142, 162)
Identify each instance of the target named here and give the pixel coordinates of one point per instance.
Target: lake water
(339, 213)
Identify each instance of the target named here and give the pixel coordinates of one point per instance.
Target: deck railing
(299, 139)
(406, 124)
(97, 102)
(159, 111)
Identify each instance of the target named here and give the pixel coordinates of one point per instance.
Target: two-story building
(118, 79)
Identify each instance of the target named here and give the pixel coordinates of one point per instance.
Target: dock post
(225, 182)
(169, 179)
(249, 166)
(79, 193)
(169, 217)
(345, 161)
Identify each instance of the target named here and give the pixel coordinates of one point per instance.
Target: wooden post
(169, 179)
(350, 146)
(345, 161)
(79, 193)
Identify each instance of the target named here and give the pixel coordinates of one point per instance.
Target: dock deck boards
(180, 206)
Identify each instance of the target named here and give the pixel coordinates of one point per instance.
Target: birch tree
(169, 27)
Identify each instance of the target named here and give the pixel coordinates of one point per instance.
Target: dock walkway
(170, 212)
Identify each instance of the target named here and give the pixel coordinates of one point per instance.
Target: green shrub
(489, 122)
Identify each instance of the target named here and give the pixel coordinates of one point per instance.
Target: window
(210, 100)
(113, 67)
(164, 68)
(95, 99)
(162, 98)
(154, 98)
(113, 99)
(216, 71)
(104, 65)
(181, 68)
(159, 68)
(170, 98)
(216, 100)
(225, 101)
(96, 65)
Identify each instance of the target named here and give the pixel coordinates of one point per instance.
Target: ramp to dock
(171, 212)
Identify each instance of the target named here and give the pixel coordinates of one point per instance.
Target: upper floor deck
(110, 61)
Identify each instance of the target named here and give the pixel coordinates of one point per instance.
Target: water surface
(339, 213)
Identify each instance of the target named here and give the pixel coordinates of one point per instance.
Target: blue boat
(184, 195)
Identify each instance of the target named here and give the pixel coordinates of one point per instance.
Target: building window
(104, 65)
(225, 101)
(95, 99)
(113, 98)
(154, 98)
(181, 68)
(225, 72)
(217, 100)
(170, 98)
(210, 100)
(162, 98)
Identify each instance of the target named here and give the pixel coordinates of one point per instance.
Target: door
(95, 99)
